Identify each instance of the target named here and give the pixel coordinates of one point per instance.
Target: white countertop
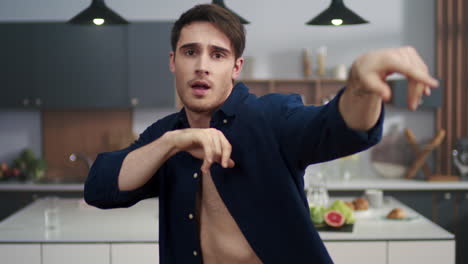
(373, 225)
(41, 187)
(80, 223)
(394, 185)
(333, 185)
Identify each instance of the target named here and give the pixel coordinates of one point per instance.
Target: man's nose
(202, 67)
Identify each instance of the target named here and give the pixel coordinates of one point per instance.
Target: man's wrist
(169, 139)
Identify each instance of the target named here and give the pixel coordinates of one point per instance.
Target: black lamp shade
(98, 9)
(221, 4)
(339, 14)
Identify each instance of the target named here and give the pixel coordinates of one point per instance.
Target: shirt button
(225, 121)
(190, 216)
(195, 253)
(195, 175)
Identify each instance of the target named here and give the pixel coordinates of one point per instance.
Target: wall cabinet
(80, 66)
(150, 80)
(18, 73)
(63, 66)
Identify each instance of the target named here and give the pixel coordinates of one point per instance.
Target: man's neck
(198, 120)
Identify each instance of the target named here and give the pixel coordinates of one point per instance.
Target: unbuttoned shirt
(274, 138)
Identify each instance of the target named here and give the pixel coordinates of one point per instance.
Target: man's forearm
(360, 111)
(142, 163)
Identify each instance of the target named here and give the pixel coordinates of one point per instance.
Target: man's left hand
(369, 72)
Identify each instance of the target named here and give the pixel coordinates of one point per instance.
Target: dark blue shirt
(274, 138)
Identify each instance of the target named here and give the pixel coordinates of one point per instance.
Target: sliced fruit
(334, 218)
(343, 208)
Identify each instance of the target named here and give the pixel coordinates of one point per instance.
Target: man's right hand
(208, 144)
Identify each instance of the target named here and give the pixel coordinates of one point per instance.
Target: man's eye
(189, 52)
(218, 55)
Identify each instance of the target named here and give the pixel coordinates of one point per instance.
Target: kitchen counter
(394, 185)
(41, 187)
(90, 235)
(80, 222)
(372, 225)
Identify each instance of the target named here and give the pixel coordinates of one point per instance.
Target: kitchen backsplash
(85, 134)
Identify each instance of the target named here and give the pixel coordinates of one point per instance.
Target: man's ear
(172, 61)
(237, 67)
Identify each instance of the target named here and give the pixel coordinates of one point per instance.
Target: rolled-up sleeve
(313, 134)
(101, 186)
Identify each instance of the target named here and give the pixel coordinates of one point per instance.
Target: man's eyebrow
(197, 45)
(218, 48)
(189, 45)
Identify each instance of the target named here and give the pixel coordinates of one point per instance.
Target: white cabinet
(75, 253)
(135, 253)
(20, 254)
(358, 252)
(421, 252)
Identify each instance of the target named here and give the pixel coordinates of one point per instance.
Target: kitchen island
(89, 235)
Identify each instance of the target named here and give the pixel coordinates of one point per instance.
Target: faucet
(81, 156)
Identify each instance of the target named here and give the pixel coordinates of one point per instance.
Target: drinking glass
(51, 213)
(317, 194)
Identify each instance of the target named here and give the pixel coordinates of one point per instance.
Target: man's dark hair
(221, 18)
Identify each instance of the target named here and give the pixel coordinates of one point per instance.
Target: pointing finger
(205, 168)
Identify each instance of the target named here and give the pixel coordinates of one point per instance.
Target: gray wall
(275, 39)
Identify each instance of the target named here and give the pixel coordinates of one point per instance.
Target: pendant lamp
(98, 14)
(221, 4)
(337, 14)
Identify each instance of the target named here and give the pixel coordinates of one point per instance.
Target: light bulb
(98, 21)
(337, 21)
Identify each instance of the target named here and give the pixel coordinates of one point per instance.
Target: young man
(228, 168)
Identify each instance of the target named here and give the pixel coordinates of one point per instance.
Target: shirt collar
(239, 92)
(229, 107)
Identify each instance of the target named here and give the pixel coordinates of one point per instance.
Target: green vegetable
(317, 213)
(29, 165)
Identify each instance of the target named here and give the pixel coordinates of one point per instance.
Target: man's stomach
(225, 243)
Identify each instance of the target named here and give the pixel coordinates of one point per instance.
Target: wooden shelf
(314, 91)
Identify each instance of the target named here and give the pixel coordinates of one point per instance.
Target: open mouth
(200, 88)
(200, 85)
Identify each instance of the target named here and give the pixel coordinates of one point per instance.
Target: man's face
(204, 65)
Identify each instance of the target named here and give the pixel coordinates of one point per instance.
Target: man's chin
(200, 108)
